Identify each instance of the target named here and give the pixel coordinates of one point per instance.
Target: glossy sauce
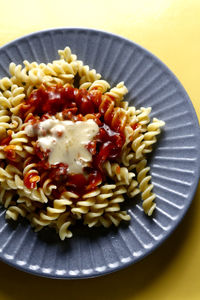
(57, 99)
(5, 141)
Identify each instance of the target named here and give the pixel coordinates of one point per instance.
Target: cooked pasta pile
(46, 194)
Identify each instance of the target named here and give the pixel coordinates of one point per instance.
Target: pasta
(71, 148)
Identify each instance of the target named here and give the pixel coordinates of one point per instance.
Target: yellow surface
(171, 30)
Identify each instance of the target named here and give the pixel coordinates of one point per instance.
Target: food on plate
(71, 148)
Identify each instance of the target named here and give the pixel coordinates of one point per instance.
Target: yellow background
(171, 30)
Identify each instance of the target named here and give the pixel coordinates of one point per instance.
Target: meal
(71, 148)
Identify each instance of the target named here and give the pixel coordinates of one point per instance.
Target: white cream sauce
(66, 141)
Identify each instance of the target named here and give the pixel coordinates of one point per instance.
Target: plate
(174, 163)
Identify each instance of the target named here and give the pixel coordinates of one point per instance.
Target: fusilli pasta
(66, 92)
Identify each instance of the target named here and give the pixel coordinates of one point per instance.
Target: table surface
(171, 30)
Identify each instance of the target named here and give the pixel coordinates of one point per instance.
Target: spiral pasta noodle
(13, 212)
(86, 74)
(67, 55)
(52, 213)
(62, 225)
(120, 174)
(67, 92)
(145, 187)
(117, 93)
(101, 205)
(153, 129)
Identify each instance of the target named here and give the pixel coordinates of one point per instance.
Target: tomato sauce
(58, 98)
(135, 126)
(30, 180)
(74, 104)
(5, 141)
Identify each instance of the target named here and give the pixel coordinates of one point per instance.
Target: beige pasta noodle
(67, 55)
(118, 92)
(153, 129)
(145, 187)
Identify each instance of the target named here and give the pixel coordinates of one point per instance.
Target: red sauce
(10, 152)
(135, 126)
(5, 141)
(108, 146)
(30, 180)
(58, 98)
(84, 184)
(74, 105)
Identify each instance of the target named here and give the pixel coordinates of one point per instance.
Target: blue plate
(174, 163)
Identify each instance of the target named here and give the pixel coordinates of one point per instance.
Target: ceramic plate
(174, 163)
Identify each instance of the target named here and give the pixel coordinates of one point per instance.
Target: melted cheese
(66, 141)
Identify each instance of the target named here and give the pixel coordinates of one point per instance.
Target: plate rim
(80, 275)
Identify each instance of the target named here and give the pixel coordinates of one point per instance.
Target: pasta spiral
(4, 101)
(153, 129)
(143, 117)
(119, 174)
(112, 114)
(82, 206)
(13, 212)
(14, 183)
(4, 119)
(137, 144)
(100, 85)
(145, 187)
(91, 218)
(17, 95)
(6, 197)
(62, 225)
(48, 187)
(5, 83)
(19, 73)
(52, 213)
(67, 55)
(114, 218)
(117, 93)
(86, 75)
(60, 69)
